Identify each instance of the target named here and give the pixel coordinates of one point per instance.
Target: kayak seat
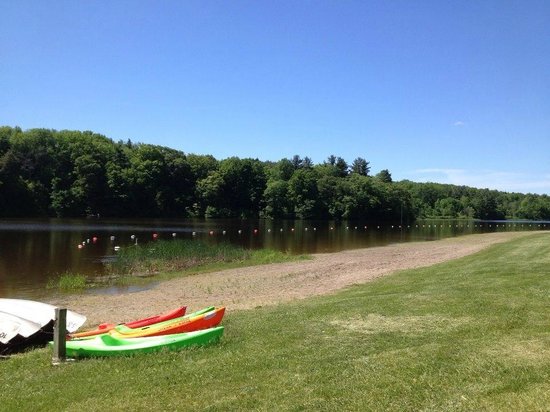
(111, 341)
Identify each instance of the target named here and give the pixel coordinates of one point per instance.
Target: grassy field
(472, 334)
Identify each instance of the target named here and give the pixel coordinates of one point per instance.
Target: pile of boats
(26, 323)
(172, 330)
(168, 331)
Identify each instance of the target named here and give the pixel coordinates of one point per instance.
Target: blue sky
(447, 91)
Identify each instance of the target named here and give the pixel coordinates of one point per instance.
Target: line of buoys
(155, 235)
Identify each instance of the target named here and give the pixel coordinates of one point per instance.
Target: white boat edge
(39, 312)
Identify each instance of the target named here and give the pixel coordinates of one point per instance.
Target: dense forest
(74, 174)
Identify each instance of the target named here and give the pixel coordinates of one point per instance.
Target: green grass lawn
(472, 334)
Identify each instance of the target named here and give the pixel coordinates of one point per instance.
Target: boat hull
(208, 318)
(107, 345)
(26, 323)
(106, 327)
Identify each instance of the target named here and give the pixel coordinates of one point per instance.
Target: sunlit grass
(68, 282)
(173, 258)
(467, 335)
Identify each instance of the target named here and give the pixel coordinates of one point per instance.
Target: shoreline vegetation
(455, 324)
(189, 255)
(163, 260)
(246, 287)
(50, 173)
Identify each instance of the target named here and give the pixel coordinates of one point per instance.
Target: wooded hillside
(74, 174)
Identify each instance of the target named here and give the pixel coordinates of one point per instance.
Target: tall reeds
(171, 255)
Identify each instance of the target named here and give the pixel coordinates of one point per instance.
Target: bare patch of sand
(249, 287)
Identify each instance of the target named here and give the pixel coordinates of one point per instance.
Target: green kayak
(107, 345)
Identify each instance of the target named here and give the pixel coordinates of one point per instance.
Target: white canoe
(26, 321)
(11, 326)
(39, 312)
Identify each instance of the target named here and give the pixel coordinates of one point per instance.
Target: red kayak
(203, 319)
(106, 327)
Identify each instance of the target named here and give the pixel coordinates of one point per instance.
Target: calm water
(35, 251)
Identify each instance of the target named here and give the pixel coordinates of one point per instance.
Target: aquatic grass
(185, 256)
(471, 334)
(68, 282)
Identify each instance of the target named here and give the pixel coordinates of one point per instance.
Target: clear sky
(447, 91)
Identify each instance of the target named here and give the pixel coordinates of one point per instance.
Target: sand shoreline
(249, 287)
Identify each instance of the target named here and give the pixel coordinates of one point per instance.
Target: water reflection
(34, 251)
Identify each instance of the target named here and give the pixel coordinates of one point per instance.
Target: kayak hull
(106, 327)
(39, 312)
(27, 323)
(107, 345)
(205, 319)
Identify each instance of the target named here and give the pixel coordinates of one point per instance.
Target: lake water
(35, 251)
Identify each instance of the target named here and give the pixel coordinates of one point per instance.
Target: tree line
(80, 173)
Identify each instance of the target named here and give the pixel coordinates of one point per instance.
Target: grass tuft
(68, 282)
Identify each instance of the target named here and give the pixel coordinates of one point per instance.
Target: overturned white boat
(25, 323)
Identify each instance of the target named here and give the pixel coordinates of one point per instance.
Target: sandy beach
(250, 287)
